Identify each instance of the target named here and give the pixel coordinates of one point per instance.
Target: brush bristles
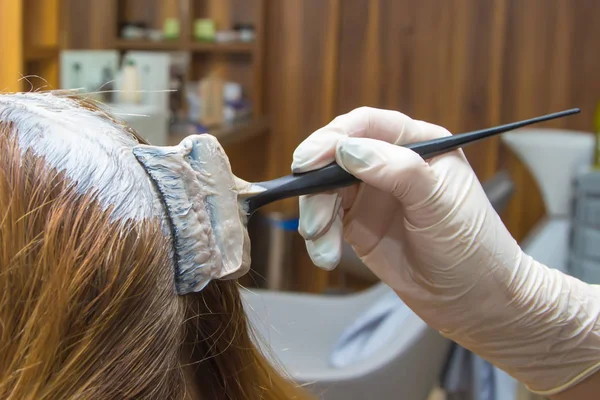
(197, 189)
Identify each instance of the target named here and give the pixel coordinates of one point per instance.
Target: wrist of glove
(545, 333)
(428, 230)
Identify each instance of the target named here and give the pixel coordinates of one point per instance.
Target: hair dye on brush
(200, 194)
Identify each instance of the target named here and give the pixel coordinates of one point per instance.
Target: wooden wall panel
(549, 60)
(296, 74)
(43, 29)
(463, 64)
(300, 73)
(429, 62)
(91, 24)
(11, 45)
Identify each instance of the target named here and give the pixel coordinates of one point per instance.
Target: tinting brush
(333, 176)
(208, 207)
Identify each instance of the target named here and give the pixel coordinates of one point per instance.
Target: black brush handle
(434, 147)
(321, 180)
(333, 176)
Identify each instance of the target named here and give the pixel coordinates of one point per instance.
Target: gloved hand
(428, 230)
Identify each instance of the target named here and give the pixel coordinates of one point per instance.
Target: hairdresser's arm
(428, 230)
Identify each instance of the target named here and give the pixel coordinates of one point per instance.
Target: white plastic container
(130, 84)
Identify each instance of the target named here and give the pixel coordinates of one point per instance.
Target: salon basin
(298, 332)
(553, 156)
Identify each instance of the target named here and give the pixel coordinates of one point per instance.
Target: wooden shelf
(239, 131)
(179, 45)
(231, 133)
(235, 47)
(152, 45)
(37, 53)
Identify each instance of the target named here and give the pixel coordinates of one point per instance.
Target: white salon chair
(300, 330)
(553, 157)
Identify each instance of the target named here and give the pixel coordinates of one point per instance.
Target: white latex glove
(428, 230)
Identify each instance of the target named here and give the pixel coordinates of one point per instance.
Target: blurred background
(261, 75)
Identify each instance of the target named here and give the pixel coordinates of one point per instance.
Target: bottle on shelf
(246, 31)
(107, 85)
(77, 81)
(130, 83)
(171, 29)
(204, 30)
(211, 101)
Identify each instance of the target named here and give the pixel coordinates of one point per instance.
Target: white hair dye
(194, 180)
(91, 150)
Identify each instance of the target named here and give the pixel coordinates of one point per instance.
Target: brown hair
(88, 308)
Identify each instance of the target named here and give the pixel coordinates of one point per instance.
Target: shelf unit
(231, 133)
(199, 47)
(241, 62)
(29, 41)
(246, 142)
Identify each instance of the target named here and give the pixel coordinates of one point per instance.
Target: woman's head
(88, 307)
